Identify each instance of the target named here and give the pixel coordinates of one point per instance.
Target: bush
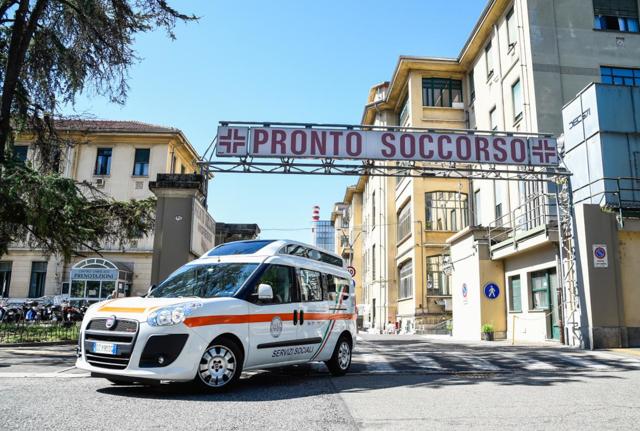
(487, 328)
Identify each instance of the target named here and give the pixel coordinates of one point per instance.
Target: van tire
(219, 367)
(340, 361)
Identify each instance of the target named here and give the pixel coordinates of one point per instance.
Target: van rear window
(243, 247)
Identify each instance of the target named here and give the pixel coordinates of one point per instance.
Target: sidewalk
(39, 361)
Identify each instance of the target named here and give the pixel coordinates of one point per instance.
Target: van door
(314, 314)
(273, 326)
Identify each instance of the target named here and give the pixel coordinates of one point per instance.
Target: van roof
(276, 247)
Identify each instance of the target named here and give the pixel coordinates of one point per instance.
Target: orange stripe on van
(230, 319)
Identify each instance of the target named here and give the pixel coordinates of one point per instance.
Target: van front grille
(123, 335)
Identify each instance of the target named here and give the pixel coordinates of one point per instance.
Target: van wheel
(220, 366)
(340, 361)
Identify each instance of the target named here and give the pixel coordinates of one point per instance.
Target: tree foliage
(50, 52)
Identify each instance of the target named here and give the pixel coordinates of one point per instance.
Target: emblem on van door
(110, 322)
(276, 327)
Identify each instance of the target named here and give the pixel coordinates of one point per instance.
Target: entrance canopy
(95, 279)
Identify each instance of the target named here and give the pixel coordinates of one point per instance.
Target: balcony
(530, 225)
(620, 195)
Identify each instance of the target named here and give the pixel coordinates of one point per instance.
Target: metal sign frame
(568, 291)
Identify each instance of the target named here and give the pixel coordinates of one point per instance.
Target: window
(141, 162)
(404, 112)
(38, 278)
(404, 223)
(542, 286)
(310, 286)
(515, 294)
(512, 29)
(476, 208)
(406, 281)
(441, 92)
(618, 15)
(493, 119)
(437, 282)
(488, 59)
(103, 162)
(498, 193)
(516, 98)
(212, 280)
(446, 211)
(183, 169)
(334, 285)
(373, 210)
(373, 261)
(5, 279)
(281, 280)
(20, 153)
(244, 247)
(620, 76)
(472, 87)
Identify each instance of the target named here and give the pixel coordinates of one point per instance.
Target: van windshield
(205, 281)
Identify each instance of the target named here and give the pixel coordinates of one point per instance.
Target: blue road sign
(491, 290)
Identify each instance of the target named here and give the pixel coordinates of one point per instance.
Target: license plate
(105, 348)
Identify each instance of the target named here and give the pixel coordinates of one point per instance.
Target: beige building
(523, 61)
(119, 158)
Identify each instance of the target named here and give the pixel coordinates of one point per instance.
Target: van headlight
(172, 315)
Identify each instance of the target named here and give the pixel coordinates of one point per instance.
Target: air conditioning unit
(100, 182)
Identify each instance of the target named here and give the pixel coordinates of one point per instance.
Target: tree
(50, 52)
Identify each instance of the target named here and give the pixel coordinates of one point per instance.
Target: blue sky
(297, 61)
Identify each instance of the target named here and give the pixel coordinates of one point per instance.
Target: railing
(536, 212)
(442, 328)
(618, 192)
(38, 332)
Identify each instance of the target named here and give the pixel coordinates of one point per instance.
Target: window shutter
(621, 8)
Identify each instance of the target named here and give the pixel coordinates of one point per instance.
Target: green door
(555, 313)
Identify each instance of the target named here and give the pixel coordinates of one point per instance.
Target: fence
(38, 332)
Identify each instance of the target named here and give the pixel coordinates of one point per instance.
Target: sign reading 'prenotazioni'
(273, 142)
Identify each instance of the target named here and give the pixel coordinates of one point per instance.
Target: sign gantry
(393, 151)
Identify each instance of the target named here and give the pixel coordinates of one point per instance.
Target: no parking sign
(600, 257)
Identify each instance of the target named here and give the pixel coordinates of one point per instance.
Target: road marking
(375, 362)
(529, 363)
(421, 360)
(582, 362)
(55, 375)
(476, 362)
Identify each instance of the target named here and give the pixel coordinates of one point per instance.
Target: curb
(34, 344)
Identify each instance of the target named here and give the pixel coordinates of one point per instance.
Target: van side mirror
(265, 292)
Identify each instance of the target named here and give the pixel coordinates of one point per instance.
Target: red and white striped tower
(315, 217)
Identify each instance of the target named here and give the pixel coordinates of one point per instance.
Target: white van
(244, 305)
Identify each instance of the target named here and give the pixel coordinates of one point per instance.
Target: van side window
(281, 280)
(334, 285)
(310, 285)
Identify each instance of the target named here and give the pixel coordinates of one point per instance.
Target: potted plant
(449, 327)
(487, 332)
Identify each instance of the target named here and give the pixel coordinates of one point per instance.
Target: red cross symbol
(545, 152)
(231, 141)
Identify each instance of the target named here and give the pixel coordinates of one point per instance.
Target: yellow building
(119, 158)
(406, 221)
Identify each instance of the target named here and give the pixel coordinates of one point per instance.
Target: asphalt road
(398, 382)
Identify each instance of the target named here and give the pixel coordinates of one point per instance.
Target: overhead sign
(600, 257)
(278, 142)
(94, 274)
(203, 230)
(491, 290)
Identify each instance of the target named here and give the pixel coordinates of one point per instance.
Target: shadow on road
(280, 385)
